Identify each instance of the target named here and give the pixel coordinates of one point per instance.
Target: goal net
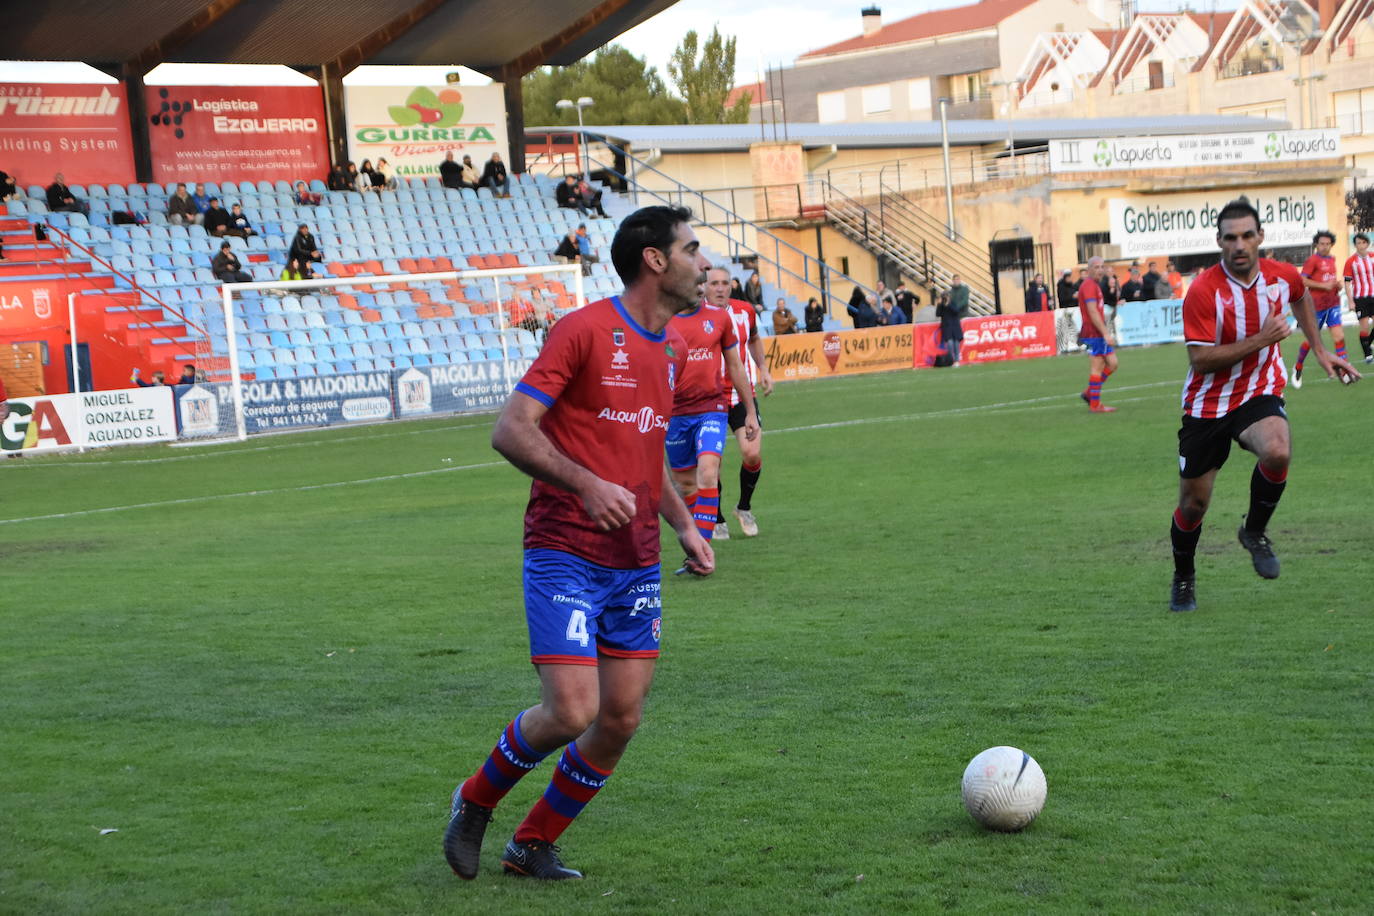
(374, 345)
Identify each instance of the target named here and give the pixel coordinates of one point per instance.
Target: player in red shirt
(587, 422)
(746, 325)
(1096, 335)
(696, 435)
(1233, 323)
(1359, 286)
(1325, 287)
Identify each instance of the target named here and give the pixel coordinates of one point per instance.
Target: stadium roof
(738, 137)
(483, 34)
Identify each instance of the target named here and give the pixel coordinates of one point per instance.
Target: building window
(1354, 111)
(918, 94)
(877, 99)
(1088, 243)
(830, 107)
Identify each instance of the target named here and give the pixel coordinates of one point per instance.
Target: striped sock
(1094, 390)
(1302, 355)
(574, 783)
(1106, 372)
(1340, 349)
(707, 505)
(509, 760)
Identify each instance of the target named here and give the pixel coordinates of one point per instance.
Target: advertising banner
(1154, 322)
(322, 400)
(824, 354)
(1164, 224)
(133, 416)
(413, 127)
(217, 133)
(32, 305)
(458, 388)
(78, 129)
(1123, 154)
(993, 338)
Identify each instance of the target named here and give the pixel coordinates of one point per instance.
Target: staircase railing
(722, 227)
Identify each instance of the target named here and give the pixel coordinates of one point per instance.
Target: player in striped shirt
(746, 324)
(1359, 286)
(1319, 273)
(1233, 323)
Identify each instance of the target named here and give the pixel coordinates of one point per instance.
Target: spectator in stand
(1151, 281)
(584, 248)
(181, 207)
(1175, 281)
(305, 197)
(356, 179)
(864, 315)
(565, 195)
(951, 327)
(1066, 291)
(569, 251)
(296, 269)
(388, 173)
(450, 172)
(468, 175)
(227, 268)
(159, 379)
(753, 290)
(338, 179)
(369, 179)
(736, 289)
(495, 176)
(784, 322)
(61, 199)
(591, 197)
(885, 295)
(303, 247)
(9, 190)
(217, 220)
(239, 224)
(889, 313)
(907, 301)
(1133, 290)
(202, 199)
(1111, 291)
(188, 375)
(1037, 295)
(814, 315)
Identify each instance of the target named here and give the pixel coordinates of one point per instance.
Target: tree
(625, 89)
(705, 84)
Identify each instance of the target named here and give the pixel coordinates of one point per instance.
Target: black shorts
(1205, 444)
(738, 413)
(1364, 307)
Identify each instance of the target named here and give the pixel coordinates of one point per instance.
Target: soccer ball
(1004, 788)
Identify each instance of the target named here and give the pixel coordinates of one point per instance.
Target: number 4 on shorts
(577, 628)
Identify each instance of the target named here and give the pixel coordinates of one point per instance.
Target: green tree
(625, 89)
(705, 83)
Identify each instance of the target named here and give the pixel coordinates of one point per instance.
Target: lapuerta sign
(1124, 154)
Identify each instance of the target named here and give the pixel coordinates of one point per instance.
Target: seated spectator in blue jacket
(864, 314)
(202, 199)
(306, 197)
(891, 314)
(239, 224)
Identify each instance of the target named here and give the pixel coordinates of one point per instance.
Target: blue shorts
(1329, 318)
(1098, 346)
(692, 436)
(576, 609)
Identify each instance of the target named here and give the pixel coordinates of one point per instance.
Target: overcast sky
(772, 32)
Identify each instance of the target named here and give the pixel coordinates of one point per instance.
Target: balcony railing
(1249, 66)
(1145, 84)
(1355, 122)
(1043, 97)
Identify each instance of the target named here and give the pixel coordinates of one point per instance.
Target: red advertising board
(237, 133)
(78, 129)
(992, 338)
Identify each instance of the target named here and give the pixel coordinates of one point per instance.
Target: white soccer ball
(1004, 788)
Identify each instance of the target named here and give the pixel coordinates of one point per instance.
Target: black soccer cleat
(1183, 594)
(536, 859)
(467, 824)
(1261, 552)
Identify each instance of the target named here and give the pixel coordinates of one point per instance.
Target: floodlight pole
(949, 186)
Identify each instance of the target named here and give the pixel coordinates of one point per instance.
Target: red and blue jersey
(1090, 300)
(1322, 268)
(608, 385)
(708, 332)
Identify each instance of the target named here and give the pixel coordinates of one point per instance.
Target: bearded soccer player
(696, 435)
(587, 422)
(1319, 274)
(1359, 286)
(746, 327)
(1233, 323)
(1097, 337)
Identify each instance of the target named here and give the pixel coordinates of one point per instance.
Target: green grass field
(267, 664)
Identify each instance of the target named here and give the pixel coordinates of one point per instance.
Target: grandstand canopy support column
(331, 77)
(132, 76)
(515, 115)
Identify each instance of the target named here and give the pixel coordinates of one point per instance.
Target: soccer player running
(1359, 286)
(1097, 337)
(1319, 273)
(1233, 324)
(587, 422)
(746, 326)
(696, 435)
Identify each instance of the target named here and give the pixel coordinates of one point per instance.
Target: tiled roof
(969, 18)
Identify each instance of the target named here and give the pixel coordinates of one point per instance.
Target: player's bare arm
(761, 360)
(520, 441)
(700, 557)
(1306, 313)
(740, 379)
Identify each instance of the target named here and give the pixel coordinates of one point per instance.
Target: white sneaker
(747, 523)
(722, 532)
(1297, 378)
(1368, 360)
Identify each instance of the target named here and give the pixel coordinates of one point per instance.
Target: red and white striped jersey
(1359, 273)
(1218, 310)
(746, 329)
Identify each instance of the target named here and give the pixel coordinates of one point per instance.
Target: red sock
(705, 510)
(575, 782)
